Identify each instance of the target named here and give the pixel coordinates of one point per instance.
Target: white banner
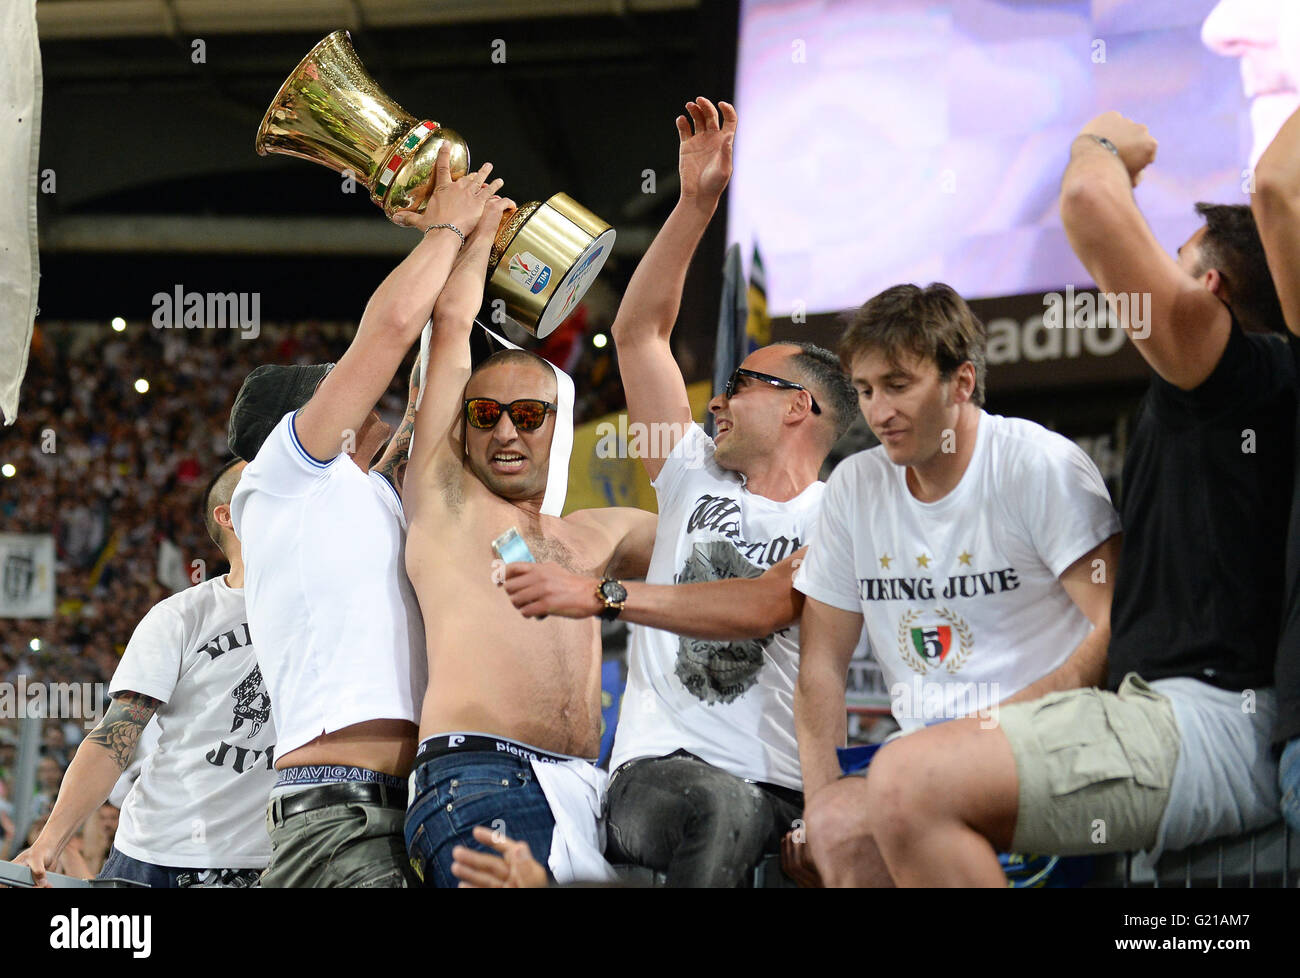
(26, 575)
(171, 566)
(20, 130)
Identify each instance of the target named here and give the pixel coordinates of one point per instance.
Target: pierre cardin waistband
(441, 745)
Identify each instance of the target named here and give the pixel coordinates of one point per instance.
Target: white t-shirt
(200, 799)
(340, 637)
(961, 600)
(729, 703)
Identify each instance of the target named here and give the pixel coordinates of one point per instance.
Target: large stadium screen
(913, 140)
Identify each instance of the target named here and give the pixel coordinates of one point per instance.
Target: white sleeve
(282, 466)
(1059, 497)
(151, 664)
(827, 572)
(692, 451)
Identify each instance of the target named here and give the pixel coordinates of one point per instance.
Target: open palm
(705, 153)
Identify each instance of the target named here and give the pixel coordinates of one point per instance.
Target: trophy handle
(410, 172)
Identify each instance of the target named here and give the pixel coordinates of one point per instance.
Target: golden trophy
(330, 111)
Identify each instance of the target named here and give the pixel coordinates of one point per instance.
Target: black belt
(788, 795)
(343, 793)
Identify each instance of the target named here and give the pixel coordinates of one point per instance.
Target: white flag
(20, 129)
(171, 566)
(26, 575)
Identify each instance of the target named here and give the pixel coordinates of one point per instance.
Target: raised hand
(456, 202)
(1137, 148)
(462, 296)
(704, 156)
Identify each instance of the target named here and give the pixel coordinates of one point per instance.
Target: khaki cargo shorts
(1094, 768)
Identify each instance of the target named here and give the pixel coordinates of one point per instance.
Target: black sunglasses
(789, 385)
(526, 414)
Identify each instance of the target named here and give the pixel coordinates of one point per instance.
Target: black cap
(269, 393)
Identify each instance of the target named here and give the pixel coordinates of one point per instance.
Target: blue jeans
(456, 792)
(120, 866)
(1288, 779)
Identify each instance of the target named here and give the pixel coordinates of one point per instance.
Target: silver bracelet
(450, 227)
(1105, 143)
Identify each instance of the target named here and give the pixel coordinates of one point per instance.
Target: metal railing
(1269, 857)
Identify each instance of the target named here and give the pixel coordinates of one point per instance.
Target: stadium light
(119, 324)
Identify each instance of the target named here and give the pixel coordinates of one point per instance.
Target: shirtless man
(506, 694)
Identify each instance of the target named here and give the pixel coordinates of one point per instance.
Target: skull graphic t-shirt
(728, 703)
(200, 799)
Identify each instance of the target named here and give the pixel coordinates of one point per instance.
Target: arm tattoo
(393, 467)
(119, 731)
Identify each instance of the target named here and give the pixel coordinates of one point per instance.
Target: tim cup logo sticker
(530, 271)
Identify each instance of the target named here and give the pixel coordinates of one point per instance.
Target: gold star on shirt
(884, 561)
(964, 558)
(923, 561)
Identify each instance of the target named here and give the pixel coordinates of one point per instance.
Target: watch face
(613, 591)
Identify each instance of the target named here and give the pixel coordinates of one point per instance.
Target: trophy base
(575, 284)
(549, 263)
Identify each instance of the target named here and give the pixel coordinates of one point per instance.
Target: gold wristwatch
(612, 593)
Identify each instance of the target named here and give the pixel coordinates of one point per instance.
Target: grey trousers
(339, 845)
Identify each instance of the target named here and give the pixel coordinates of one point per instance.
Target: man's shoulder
(1273, 354)
(869, 468)
(1254, 366)
(195, 605)
(1025, 444)
(1279, 345)
(692, 457)
(282, 444)
(199, 595)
